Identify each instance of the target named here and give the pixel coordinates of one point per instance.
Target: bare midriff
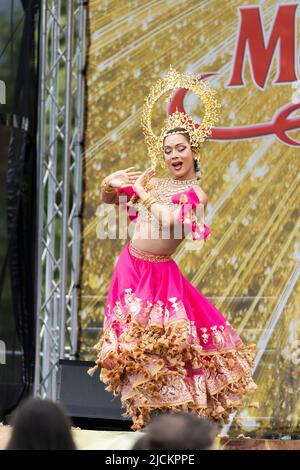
(147, 237)
(149, 234)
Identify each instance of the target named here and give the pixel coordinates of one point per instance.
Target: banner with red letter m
(249, 268)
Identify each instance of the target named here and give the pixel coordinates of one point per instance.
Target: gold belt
(145, 255)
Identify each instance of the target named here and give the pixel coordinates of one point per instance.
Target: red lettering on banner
(279, 126)
(251, 34)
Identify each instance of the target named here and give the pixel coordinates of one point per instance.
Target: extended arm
(172, 216)
(165, 215)
(116, 180)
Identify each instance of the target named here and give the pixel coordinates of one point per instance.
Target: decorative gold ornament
(147, 256)
(148, 201)
(107, 187)
(197, 132)
(148, 186)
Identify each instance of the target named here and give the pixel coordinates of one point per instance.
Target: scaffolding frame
(62, 55)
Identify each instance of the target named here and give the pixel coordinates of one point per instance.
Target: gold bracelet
(107, 187)
(148, 201)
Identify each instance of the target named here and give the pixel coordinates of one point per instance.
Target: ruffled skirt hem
(151, 368)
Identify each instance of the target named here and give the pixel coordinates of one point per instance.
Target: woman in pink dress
(165, 346)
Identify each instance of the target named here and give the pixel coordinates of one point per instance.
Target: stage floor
(90, 440)
(124, 440)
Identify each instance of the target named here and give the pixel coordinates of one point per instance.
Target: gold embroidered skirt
(165, 345)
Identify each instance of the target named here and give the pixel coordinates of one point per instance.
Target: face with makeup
(179, 156)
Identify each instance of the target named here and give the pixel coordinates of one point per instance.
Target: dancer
(164, 345)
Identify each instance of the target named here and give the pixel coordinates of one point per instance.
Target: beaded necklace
(163, 190)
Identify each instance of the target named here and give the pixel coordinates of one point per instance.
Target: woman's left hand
(140, 183)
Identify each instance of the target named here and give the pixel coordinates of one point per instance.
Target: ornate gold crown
(197, 132)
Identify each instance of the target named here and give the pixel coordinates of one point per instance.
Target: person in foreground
(165, 347)
(180, 431)
(40, 425)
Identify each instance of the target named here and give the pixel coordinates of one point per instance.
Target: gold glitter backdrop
(249, 267)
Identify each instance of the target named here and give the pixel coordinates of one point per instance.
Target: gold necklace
(183, 182)
(166, 188)
(163, 190)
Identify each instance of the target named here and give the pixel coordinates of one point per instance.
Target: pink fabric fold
(189, 202)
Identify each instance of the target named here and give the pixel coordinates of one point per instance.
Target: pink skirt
(165, 345)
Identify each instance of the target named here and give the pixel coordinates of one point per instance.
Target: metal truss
(59, 180)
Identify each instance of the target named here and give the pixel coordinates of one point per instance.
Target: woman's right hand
(123, 178)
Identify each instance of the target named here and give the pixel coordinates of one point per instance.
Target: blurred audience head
(40, 425)
(178, 431)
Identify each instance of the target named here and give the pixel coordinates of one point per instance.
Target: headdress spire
(197, 132)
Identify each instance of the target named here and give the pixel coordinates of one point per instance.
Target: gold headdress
(197, 132)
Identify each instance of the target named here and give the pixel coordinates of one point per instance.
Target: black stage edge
(87, 402)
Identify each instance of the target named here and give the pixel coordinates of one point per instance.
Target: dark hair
(177, 130)
(178, 431)
(187, 136)
(41, 425)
